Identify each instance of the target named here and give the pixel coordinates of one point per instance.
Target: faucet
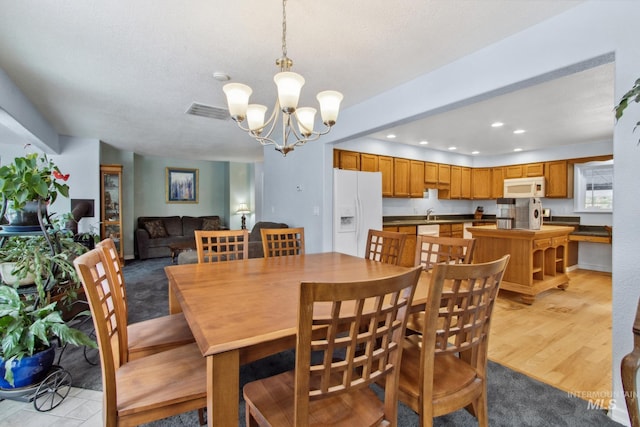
(429, 212)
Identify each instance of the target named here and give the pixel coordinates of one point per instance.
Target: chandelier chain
(284, 29)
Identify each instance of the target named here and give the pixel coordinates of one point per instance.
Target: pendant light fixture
(297, 123)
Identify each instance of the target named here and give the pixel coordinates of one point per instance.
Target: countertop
(589, 232)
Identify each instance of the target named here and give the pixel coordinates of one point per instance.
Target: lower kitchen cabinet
(408, 254)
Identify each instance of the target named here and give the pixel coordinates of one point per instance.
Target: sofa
(154, 234)
(255, 243)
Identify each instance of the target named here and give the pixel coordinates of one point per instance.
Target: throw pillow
(211, 224)
(156, 228)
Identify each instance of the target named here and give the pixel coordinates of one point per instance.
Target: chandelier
(286, 106)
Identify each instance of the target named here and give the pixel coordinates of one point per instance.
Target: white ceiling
(125, 72)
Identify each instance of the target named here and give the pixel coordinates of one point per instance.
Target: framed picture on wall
(181, 185)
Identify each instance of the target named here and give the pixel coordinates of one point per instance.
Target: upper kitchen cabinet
(513, 171)
(465, 183)
(444, 175)
(533, 169)
(385, 165)
(460, 184)
(559, 179)
(416, 184)
(481, 179)
(401, 177)
(431, 174)
(368, 162)
(349, 160)
(497, 182)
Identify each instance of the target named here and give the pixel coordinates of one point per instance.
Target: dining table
(241, 311)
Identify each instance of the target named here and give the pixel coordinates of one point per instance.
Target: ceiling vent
(208, 111)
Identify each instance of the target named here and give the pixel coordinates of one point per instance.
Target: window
(594, 187)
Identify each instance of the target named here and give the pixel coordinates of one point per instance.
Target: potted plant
(29, 320)
(30, 181)
(26, 330)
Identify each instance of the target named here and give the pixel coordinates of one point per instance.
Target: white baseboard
(594, 267)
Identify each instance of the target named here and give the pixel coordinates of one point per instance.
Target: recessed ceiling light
(475, 152)
(453, 148)
(391, 136)
(517, 149)
(497, 124)
(519, 131)
(424, 142)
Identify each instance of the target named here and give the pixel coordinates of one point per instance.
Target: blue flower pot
(29, 370)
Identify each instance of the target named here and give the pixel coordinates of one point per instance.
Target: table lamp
(243, 209)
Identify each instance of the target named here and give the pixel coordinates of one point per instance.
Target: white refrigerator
(357, 207)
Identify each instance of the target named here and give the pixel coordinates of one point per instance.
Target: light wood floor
(562, 339)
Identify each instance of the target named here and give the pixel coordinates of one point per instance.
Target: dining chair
(431, 250)
(149, 336)
(330, 384)
(222, 245)
(446, 369)
(282, 241)
(146, 389)
(629, 371)
(385, 246)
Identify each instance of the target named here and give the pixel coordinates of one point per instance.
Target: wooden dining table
(242, 311)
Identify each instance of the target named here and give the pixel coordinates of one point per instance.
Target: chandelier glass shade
(297, 122)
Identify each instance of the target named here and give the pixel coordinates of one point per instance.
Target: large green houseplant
(29, 320)
(27, 327)
(32, 177)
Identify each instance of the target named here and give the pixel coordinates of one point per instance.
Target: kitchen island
(538, 257)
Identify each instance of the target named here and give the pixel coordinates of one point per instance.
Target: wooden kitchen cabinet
(452, 230)
(559, 179)
(533, 169)
(497, 182)
(465, 183)
(409, 252)
(401, 177)
(430, 173)
(416, 178)
(350, 160)
(444, 175)
(455, 187)
(385, 165)
(513, 171)
(368, 162)
(481, 183)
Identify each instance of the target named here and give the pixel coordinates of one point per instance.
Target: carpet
(514, 399)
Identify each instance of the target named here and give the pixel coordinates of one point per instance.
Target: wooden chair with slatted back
(629, 370)
(385, 246)
(146, 389)
(330, 385)
(149, 336)
(447, 369)
(222, 245)
(431, 250)
(282, 241)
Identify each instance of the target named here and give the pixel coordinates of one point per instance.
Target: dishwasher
(429, 230)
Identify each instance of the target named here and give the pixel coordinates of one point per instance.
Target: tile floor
(80, 408)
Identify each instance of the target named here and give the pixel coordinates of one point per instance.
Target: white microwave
(524, 187)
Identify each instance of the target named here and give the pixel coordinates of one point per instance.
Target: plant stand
(46, 394)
